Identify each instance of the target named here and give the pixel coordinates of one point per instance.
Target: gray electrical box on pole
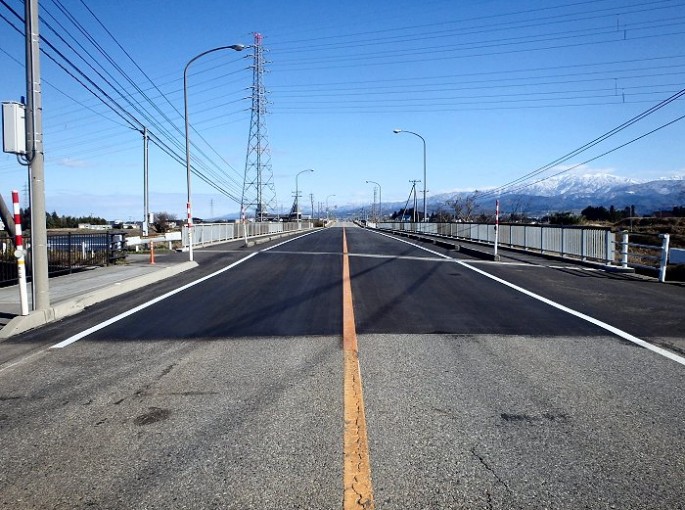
(14, 128)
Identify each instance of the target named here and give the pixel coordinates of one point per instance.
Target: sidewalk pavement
(70, 294)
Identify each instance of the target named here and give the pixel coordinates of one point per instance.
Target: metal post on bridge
(624, 249)
(496, 228)
(665, 241)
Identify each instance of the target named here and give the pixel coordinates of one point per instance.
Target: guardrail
(588, 244)
(205, 234)
(67, 252)
(136, 241)
(636, 254)
(74, 250)
(8, 262)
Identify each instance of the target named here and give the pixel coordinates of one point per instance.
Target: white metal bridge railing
(594, 244)
(210, 233)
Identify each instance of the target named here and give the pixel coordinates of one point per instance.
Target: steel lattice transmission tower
(259, 192)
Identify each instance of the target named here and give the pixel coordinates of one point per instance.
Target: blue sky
(497, 89)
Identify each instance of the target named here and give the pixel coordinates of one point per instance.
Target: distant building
(88, 226)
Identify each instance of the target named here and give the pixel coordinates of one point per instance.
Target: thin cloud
(74, 163)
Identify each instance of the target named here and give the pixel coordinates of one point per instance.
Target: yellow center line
(358, 492)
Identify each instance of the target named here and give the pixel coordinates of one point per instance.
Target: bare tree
(469, 206)
(164, 221)
(456, 206)
(442, 216)
(463, 207)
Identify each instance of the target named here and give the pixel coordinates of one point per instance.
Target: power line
(134, 104)
(488, 194)
(589, 145)
(97, 91)
(431, 27)
(130, 80)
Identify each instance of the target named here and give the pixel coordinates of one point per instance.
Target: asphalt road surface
(519, 384)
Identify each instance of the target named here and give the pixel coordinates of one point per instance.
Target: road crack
(489, 468)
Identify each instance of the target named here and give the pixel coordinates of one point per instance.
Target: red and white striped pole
(496, 227)
(20, 255)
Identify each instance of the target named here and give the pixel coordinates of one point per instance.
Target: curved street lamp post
(425, 183)
(236, 47)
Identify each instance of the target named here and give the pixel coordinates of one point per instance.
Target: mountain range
(568, 193)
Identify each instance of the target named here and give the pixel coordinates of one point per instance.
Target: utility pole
(36, 160)
(311, 199)
(415, 201)
(146, 184)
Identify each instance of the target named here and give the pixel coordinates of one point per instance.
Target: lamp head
(396, 130)
(237, 47)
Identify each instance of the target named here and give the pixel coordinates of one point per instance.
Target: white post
(244, 220)
(496, 228)
(624, 249)
(664, 256)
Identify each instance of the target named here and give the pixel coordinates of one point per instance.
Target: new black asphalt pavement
(228, 394)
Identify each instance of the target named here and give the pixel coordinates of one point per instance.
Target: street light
(297, 195)
(380, 198)
(329, 196)
(425, 183)
(236, 47)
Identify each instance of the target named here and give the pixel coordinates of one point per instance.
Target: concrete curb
(265, 238)
(36, 319)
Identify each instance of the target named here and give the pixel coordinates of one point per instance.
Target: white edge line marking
(290, 240)
(592, 320)
(618, 332)
(442, 255)
(98, 327)
(138, 308)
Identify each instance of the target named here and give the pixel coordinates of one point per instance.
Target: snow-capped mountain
(588, 184)
(572, 193)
